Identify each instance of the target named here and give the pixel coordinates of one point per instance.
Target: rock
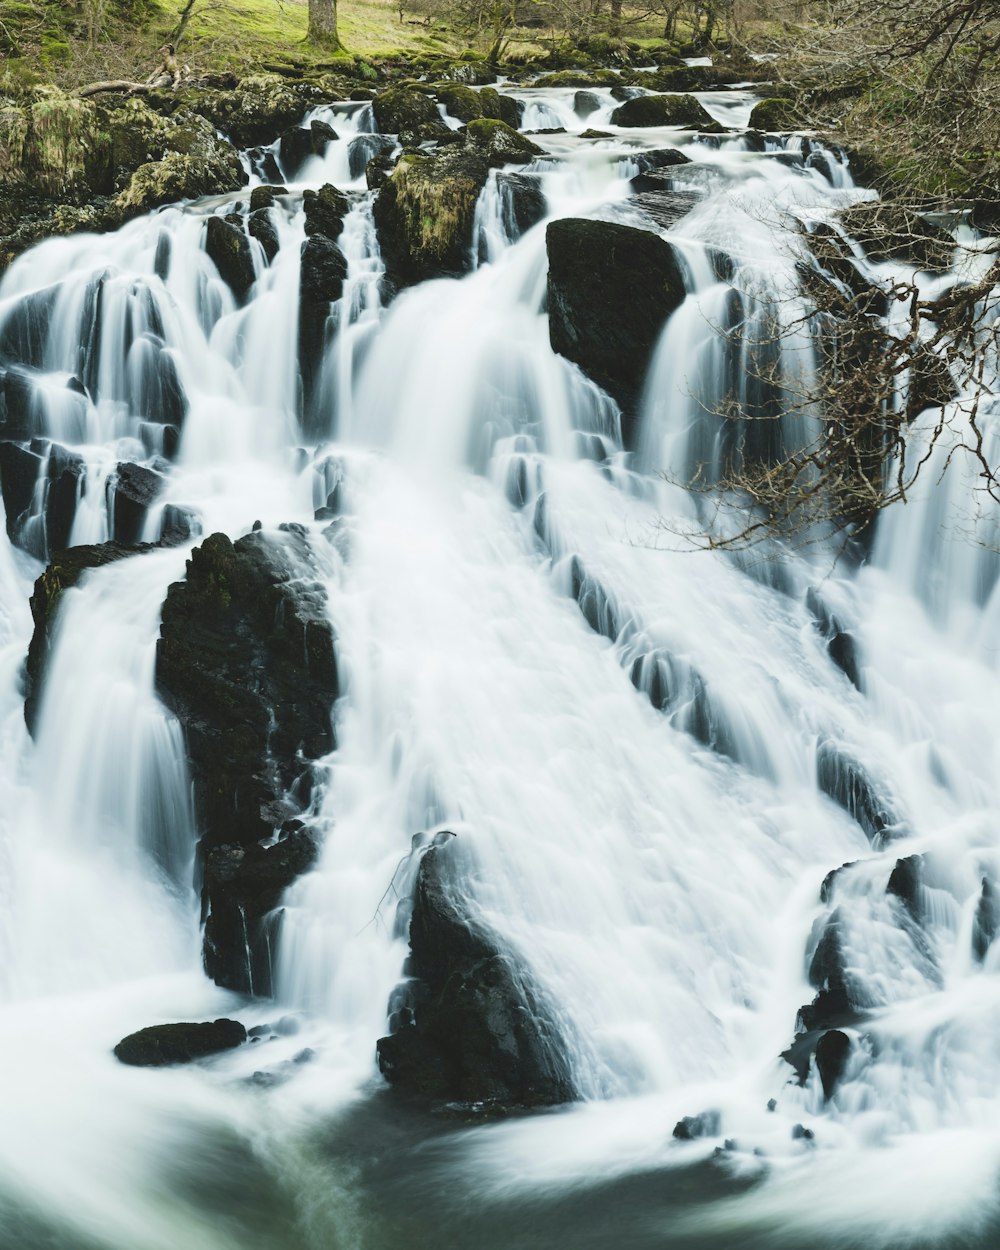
(178, 525)
(527, 201)
(436, 133)
(503, 108)
(400, 108)
(321, 282)
(325, 211)
(131, 492)
(466, 1028)
(580, 78)
(841, 644)
(425, 214)
(19, 471)
(832, 1052)
(662, 110)
(904, 883)
(245, 660)
(585, 103)
(773, 115)
(260, 226)
(888, 230)
(66, 471)
(986, 921)
(256, 111)
(64, 572)
(499, 143)
(611, 288)
(378, 171)
(228, 249)
(243, 886)
(164, 1044)
(364, 149)
(299, 143)
(846, 782)
(661, 158)
(265, 197)
(596, 134)
(459, 101)
(191, 162)
(691, 1127)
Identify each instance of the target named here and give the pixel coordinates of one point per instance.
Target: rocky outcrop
(611, 288)
(663, 110)
(132, 491)
(245, 660)
(256, 111)
(466, 1028)
(164, 1044)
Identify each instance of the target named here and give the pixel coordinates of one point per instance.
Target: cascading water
(650, 761)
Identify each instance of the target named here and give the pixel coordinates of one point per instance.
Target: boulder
(662, 110)
(229, 250)
(986, 921)
(425, 213)
(400, 108)
(325, 211)
(499, 143)
(832, 1052)
(459, 101)
(245, 660)
(774, 115)
(178, 177)
(256, 111)
(321, 282)
(131, 492)
(265, 197)
(299, 143)
(260, 226)
(691, 1127)
(165, 1044)
(467, 1027)
(503, 108)
(526, 199)
(585, 103)
(610, 290)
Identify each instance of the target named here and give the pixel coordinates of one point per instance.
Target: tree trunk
(616, 18)
(323, 23)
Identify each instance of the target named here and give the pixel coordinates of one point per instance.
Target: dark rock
(246, 662)
(888, 230)
(986, 922)
(164, 1044)
(19, 473)
(131, 492)
(366, 148)
(299, 143)
(585, 103)
(772, 116)
(659, 202)
(178, 525)
(17, 405)
(243, 887)
(429, 133)
(596, 134)
(846, 782)
(502, 108)
(841, 645)
(661, 158)
(460, 102)
(399, 108)
(63, 572)
(832, 1052)
(65, 471)
(229, 250)
(904, 883)
(466, 1028)
(325, 211)
(265, 197)
(260, 226)
(321, 282)
(256, 111)
(526, 198)
(378, 171)
(801, 1133)
(611, 288)
(691, 1127)
(663, 110)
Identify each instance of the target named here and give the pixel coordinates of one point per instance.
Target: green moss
(774, 114)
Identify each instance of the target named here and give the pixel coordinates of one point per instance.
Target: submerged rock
(611, 288)
(468, 1029)
(691, 1127)
(163, 1044)
(986, 921)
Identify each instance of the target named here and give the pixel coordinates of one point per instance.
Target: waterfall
(681, 790)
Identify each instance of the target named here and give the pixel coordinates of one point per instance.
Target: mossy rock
(257, 110)
(581, 78)
(178, 177)
(775, 115)
(502, 108)
(461, 102)
(663, 110)
(501, 144)
(400, 108)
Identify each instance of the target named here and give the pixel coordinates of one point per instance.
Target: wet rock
(299, 143)
(580, 78)
(196, 163)
(17, 405)
(774, 115)
(436, 133)
(178, 525)
(661, 158)
(66, 471)
(321, 282)
(503, 108)
(841, 644)
(325, 211)
(243, 887)
(425, 214)
(400, 108)
(459, 101)
(691, 1127)
(832, 1052)
(228, 249)
(260, 226)
(131, 493)
(364, 149)
(610, 289)
(904, 883)
(888, 230)
(596, 134)
(585, 103)
(265, 197)
(19, 471)
(466, 1027)
(378, 171)
(501, 144)
(245, 660)
(986, 921)
(526, 197)
(846, 782)
(165, 1044)
(663, 110)
(256, 110)
(64, 572)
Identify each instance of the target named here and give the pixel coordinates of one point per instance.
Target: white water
(654, 870)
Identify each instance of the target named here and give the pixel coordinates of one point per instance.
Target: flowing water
(629, 739)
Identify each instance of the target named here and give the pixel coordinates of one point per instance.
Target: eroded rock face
(245, 660)
(467, 1029)
(611, 288)
(164, 1044)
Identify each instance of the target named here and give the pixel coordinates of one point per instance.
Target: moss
(774, 114)
(461, 102)
(663, 110)
(501, 143)
(56, 145)
(577, 78)
(13, 134)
